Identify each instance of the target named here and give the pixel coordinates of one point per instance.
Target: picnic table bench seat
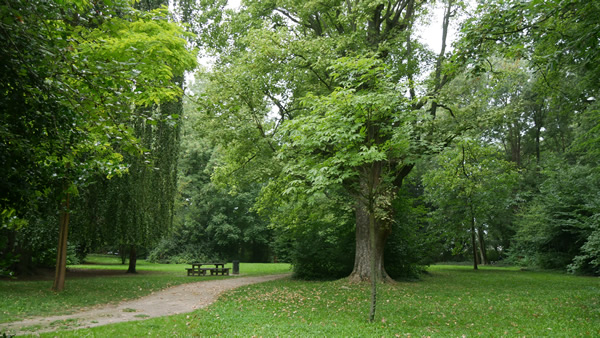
(197, 270)
(217, 271)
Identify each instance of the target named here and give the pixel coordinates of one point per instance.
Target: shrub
(323, 253)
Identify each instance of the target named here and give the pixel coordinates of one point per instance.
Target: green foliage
(210, 222)
(73, 82)
(320, 253)
(138, 207)
(588, 262)
(306, 97)
(8, 259)
(586, 145)
(559, 226)
(413, 244)
(364, 121)
(71, 77)
(315, 233)
(213, 225)
(33, 246)
(470, 185)
(545, 112)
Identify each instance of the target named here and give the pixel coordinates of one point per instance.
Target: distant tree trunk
(538, 135)
(539, 115)
(473, 241)
(482, 250)
(132, 259)
(515, 144)
(442, 55)
(61, 256)
(123, 253)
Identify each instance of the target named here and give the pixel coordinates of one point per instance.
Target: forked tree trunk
(61, 256)
(132, 259)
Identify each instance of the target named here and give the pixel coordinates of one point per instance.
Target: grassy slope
(450, 301)
(20, 299)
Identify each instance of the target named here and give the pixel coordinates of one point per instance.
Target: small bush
(589, 261)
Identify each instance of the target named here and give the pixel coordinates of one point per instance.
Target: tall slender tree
(470, 185)
(142, 202)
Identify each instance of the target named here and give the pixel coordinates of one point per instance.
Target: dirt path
(178, 299)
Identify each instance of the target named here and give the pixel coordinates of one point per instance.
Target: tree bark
(440, 59)
(515, 144)
(123, 253)
(132, 259)
(473, 243)
(482, 249)
(365, 220)
(61, 256)
(362, 258)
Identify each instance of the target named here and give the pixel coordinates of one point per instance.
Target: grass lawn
(449, 301)
(101, 280)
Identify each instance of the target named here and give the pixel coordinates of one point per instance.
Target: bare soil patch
(178, 299)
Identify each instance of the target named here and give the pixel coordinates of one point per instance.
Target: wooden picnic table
(198, 270)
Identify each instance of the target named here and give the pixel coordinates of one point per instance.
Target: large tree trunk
(362, 258)
(132, 259)
(365, 219)
(61, 256)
